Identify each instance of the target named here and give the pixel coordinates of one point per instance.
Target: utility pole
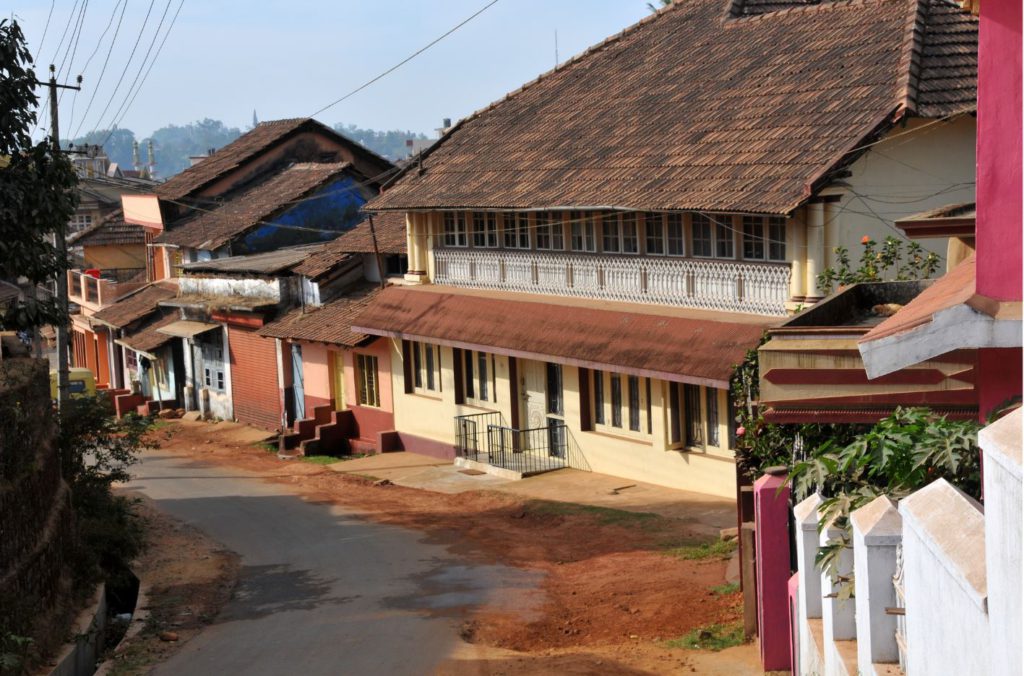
(60, 240)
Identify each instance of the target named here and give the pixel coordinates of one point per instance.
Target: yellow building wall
(111, 257)
(648, 460)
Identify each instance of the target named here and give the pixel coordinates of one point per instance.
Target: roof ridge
(910, 59)
(811, 7)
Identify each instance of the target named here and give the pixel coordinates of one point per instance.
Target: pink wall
(999, 150)
(771, 511)
(316, 375)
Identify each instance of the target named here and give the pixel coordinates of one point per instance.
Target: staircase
(327, 432)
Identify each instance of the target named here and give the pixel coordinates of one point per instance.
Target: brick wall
(254, 387)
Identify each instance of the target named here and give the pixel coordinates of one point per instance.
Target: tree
(117, 144)
(37, 195)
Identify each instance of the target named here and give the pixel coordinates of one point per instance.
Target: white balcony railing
(733, 286)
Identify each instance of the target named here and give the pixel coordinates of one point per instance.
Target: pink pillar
(999, 150)
(771, 511)
(793, 590)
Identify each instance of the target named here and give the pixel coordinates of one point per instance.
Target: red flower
(740, 431)
(865, 239)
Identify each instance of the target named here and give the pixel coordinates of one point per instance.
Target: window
(396, 265)
(478, 376)
(654, 228)
(485, 230)
(711, 415)
(517, 231)
(776, 238)
(454, 228)
(694, 423)
(701, 237)
(619, 233)
(723, 236)
(426, 367)
(694, 419)
(674, 228)
(549, 231)
(634, 403)
(753, 237)
(366, 380)
(554, 389)
(622, 403)
(583, 237)
(213, 367)
(599, 398)
(79, 221)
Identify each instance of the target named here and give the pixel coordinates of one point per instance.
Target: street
(321, 590)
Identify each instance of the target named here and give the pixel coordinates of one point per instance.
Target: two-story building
(591, 255)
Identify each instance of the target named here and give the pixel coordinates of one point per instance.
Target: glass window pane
(517, 231)
(549, 231)
(654, 233)
(776, 238)
(468, 375)
(675, 426)
(417, 365)
(610, 233)
(701, 235)
(753, 237)
(711, 409)
(723, 236)
(630, 240)
(674, 226)
(616, 386)
(634, 403)
(484, 382)
(694, 423)
(599, 397)
(554, 389)
(582, 229)
(429, 363)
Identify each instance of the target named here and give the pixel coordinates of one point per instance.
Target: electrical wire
(103, 70)
(42, 40)
(72, 47)
(407, 59)
(151, 64)
(125, 70)
(131, 87)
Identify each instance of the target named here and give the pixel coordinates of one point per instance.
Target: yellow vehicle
(81, 383)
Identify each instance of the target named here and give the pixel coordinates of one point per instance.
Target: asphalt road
(322, 590)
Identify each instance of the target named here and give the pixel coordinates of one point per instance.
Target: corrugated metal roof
(688, 346)
(136, 305)
(269, 263)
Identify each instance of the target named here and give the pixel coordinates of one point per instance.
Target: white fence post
(877, 532)
(806, 517)
(837, 616)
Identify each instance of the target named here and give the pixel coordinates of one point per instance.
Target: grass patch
(606, 516)
(320, 459)
(726, 589)
(268, 446)
(710, 637)
(718, 549)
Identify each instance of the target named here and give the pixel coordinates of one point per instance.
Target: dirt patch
(613, 593)
(187, 577)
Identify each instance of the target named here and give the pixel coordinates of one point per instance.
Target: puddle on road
(451, 588)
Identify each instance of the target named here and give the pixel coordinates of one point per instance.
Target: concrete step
(363, 446)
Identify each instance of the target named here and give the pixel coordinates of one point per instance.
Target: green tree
(389, 144)
(174, 144)
(37, 196)
(116, 143)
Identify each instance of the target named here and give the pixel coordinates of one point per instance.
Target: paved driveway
(322, 590)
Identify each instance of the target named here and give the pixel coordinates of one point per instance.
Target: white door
(533, 387)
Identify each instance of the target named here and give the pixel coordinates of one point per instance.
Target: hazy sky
(288, 59)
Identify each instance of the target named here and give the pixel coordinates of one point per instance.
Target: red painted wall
(999, 150)
(254, 388)
(1000, 373)
(369, 420)
(771, 510)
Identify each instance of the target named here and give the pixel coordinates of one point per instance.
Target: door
(534, 381)
(298, 390)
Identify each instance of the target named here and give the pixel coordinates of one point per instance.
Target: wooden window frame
(548, 228)
(516, 230)
(367, 380)
(616, 411)
(583, 230)
(484, 230)
(454, 229)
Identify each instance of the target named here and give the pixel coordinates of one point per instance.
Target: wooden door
(534, 382)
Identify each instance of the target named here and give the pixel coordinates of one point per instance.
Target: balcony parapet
(93, 293)
(731, 286)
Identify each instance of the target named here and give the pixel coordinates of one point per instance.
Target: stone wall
(36, 524)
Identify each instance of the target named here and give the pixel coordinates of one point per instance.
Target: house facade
(590, 256)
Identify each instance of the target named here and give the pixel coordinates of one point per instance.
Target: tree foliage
(37, 196)
(877, 264)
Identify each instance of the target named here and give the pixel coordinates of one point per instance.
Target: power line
(42, 40)
(99, 42)
(128, 63)
(151, 63)
(60, 43)
(145, 58)
(72, 47)
(408, 58)
(113, 41)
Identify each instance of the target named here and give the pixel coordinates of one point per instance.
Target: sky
(223, 60)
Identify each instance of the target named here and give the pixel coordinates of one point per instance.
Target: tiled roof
(147, 338)
(137, 305)
(246, 146)
(330, 323)
(269, 263)
(694, 108)
(250, 145)
(681, 345)
(112, 230)
(211, 229)
(952, 220)
(390, 229)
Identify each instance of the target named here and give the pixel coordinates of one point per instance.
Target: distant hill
(173, 144)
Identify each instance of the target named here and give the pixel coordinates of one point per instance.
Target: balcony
(485, 438)
(731, 286)
(93, 293)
